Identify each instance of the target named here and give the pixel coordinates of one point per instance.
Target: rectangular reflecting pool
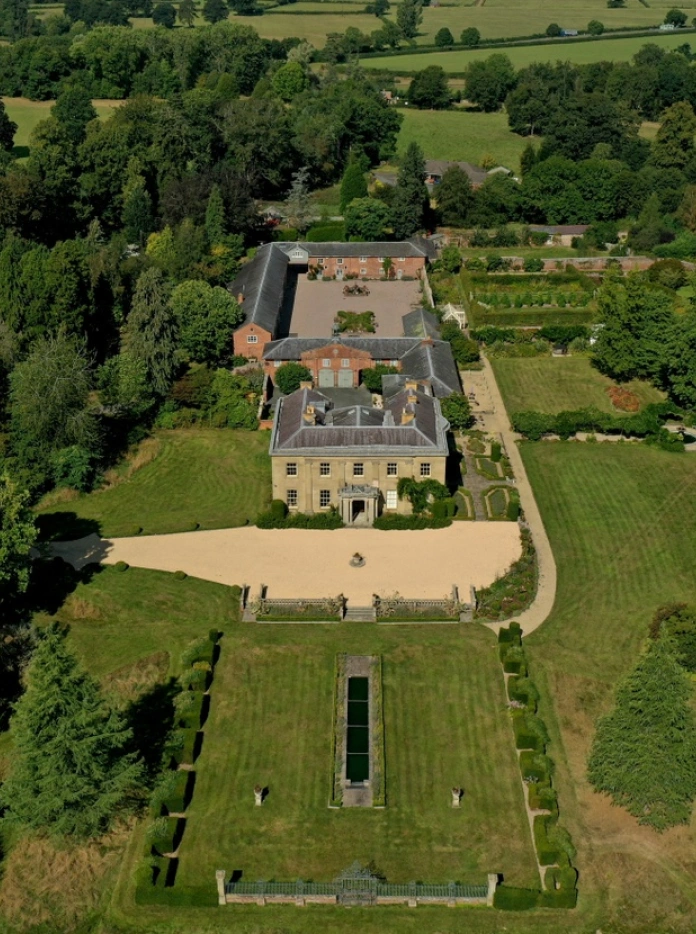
(358, 730)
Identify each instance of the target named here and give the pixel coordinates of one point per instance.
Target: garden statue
(357, 561)
(457, 794)
(258, 795)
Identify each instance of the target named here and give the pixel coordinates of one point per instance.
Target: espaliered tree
(644, 751)
(71, 771)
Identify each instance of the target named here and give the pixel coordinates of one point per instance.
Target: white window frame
(324, 494)
(252, 339)
(391, 500)
(291, 499)
(291, 469)
(345, 362)
(426, 469)
(392, 469)
(359, 469)
(363, 272)
(277, 363)
(393, 363)
(325, 469)
(326, 363)
(339, 262)
(402, 259)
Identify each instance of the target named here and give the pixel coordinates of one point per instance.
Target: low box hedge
(192, 717)
(524, 737)
(560, 889)
(188, 746)
(178, 799)
(547, 852)
(509, 898)
(396, 522)
(535, 766)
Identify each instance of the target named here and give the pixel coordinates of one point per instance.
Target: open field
(271, 722)
(197, 478)
(312, 26)
(26, 114)
(461, 136)
(616, 50)
(620, 519)
(552, 384)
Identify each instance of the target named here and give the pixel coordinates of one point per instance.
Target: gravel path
(495, 421)
(304, 563)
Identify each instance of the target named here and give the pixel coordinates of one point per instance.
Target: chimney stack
(407, 417)
(310, 415)
(240, 298)
(306, 384)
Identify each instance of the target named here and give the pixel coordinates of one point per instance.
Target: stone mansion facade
(351, 457)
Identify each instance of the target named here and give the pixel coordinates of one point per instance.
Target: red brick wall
(244, 347)
(353, 265)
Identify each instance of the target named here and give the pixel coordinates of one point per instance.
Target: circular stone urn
(357, 561)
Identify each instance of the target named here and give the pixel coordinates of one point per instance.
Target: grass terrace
(175, 482)
(554, 384)
(26, 114)
(271, 723)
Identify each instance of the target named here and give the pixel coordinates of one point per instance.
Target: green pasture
(26, 114)
(282, 23)
(271, 723)
(581, 53)
(460, 135)
(206, 479)
(554, 384)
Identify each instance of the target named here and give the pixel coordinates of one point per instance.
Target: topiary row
(552, 842)
(174, 791)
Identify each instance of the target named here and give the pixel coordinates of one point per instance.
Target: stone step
(359, 614)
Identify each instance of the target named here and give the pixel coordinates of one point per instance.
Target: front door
(326, 378)
(345, 379)
(358, 511)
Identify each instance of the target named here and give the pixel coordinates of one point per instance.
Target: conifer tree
(71, 773)
(644, 751)
(137, 210)
(411, 201)
(353, 184)
(215, 221)
(150, 335)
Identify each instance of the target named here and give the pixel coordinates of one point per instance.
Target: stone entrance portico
(358, 504)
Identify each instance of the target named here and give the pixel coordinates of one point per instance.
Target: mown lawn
(460, 135)
(554, 384)
(122, 621)
(206, 479)
(620, 519)
(271, 723)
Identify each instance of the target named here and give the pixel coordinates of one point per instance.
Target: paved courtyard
(303, 563)
(316, 304)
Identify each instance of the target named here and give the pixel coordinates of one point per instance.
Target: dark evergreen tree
(215, 220)
(353, 184)
(411, 201)
(150, 336)
(137, 211)
(644, 751)
(214, 11)
(71, 771)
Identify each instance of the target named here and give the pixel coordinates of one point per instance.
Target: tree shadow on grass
(151, 718)
(65, 526)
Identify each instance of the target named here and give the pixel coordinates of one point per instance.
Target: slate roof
(359, 430)
(262, 280)
(421, 323)
(433, 361)
(380, 348)
(438, 167)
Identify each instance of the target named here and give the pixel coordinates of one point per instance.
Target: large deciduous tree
(49, 404)
(429, 89)
(489, 81)
(673, 147)
(644, 751)
(151, 334)
(454, 197)
(71, 772)
(367, 219)
(409, 15)
(206, 317)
